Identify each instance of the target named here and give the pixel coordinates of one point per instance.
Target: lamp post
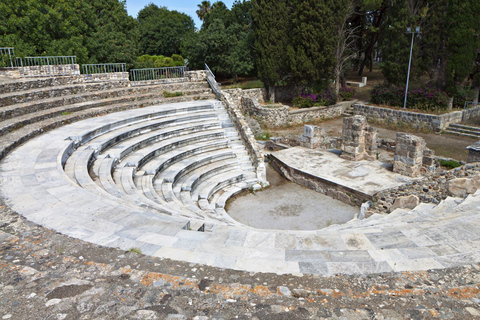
(409, 30)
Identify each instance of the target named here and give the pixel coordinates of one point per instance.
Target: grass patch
(449, 164)
(264, 136)
(66, 113)
(251, 84)
(135, 250)
(168, 94)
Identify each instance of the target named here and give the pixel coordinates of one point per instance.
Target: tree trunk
(337, 82)
(271, 93)
(476, 92)
(450, 103)
(235, 78)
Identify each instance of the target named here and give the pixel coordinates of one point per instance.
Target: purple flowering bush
(324, 98)
(426, 98)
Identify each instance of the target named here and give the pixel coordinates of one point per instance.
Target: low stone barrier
(247, 136)
(417, 120)
(278, 115)
(336, 191)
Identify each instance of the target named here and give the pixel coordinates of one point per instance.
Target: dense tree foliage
(162, 31)
(93, 30)
(225, 41)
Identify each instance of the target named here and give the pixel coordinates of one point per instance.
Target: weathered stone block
(408, 158)
(359, 140)
(460, 187)
(405, 202)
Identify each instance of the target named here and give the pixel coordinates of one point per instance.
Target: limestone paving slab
(34, 184)
(368, 177)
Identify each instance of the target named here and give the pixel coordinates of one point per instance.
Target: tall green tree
(460, 45)
(162, 31)
(93, 30)
(310, 51)
(271, 30)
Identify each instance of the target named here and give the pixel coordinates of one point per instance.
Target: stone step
(63, 112)
(36, 94)
(24, 84)
(464, 127)
(144, 155)
(20, 135)
(129, 145)
(465, 132)
(210, 186)
(115, 95)
(115, 136)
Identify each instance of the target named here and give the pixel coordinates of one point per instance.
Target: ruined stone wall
(430, 189)
(277, 115)
(196, 75)
(473, 156)
(408, 159)
(359, 140)
(417, 120)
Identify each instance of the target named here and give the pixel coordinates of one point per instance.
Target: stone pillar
(359, 140)
(313, 137)
(409, 151)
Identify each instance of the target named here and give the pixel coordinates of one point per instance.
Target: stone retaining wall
(106, 76)
(35, 83)
(247, 136)
(50, 70)
(471, 113)
(417, 120)
(349, 196)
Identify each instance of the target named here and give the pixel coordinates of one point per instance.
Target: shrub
(168, 94)
(307, 100)
(302, 102)
(449, 164)
(265, 135)
(346, 94)
(463, 94)
(148, 61)
(426, 98)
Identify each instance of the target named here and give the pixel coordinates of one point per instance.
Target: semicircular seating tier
(157, 178)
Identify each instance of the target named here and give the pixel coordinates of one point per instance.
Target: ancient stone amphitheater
(127, 167)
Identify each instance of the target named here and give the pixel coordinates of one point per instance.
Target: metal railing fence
(105, 71)
(148, 76)
(213, 83)
(7, 58)
(49, 66)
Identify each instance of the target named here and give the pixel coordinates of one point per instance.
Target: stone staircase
(463, 130)
(348, 112)
(29, 108)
